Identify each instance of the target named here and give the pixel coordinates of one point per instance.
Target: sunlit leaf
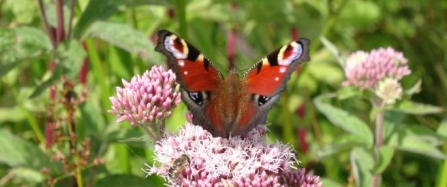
(20, 44)
(101, 10)
(362, 163)
(442, 129)
(410, 107)
(19, 153)
(385, 155)
(419, 140)
(344, 120)
(123, 36)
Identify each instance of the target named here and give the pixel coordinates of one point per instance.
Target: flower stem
(378, 143)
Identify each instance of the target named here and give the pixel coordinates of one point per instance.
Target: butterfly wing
(269, 76)
(197, 76)
(267, 79)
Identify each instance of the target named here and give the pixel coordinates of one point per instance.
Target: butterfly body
(231, 105)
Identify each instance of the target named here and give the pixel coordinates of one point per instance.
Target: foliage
(60, 61)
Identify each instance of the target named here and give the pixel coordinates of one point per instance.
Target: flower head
(389, 90)
(364, 70)
(216, 161)
(146, 100)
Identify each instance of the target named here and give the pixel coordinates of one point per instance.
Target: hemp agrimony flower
(237, 161)
(379, 70)
(147, 100)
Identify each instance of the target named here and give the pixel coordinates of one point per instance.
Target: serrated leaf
(19, 44)
(129, 181)
(122, 36)
(410, 107)
(16, 152)
(385, 156)
(362, 163)
(344, 120)
(100, 10)
(71, 56)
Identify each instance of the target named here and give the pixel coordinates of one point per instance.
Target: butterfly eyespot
(197, 97)
(260, 99)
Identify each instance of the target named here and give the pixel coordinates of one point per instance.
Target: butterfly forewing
(269, 76)
(194, 71)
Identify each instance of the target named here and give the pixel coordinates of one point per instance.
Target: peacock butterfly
(230, 106)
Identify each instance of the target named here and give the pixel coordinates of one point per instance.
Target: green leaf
(31, 176)
(420, 147)
(69, 59)
(129, 181)
(122, 36)
(410, 107)
(347, 92)
(12, 114)
(20, 44)
(385, 155)
(330, 182)
(23, 12)
(93, 119)
(343, 143)
(419, 140)
(362, 163)
(101, 10)
(333, 50)
(442, 129)
(57, 72)
(19, 153)
(416, 88)
(344, 120)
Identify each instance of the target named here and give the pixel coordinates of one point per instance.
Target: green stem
(98, 73)
(378, 138)
(287, 125)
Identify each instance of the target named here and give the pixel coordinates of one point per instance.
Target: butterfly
(231, 105)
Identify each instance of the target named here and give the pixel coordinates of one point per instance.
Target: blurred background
(61, 60)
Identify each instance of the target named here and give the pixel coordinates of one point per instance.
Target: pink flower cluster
(364, 70)
(146, 100)
(238, 161)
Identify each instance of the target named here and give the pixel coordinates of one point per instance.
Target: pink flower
(147, 100)
(364, 70)
(237, 161)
